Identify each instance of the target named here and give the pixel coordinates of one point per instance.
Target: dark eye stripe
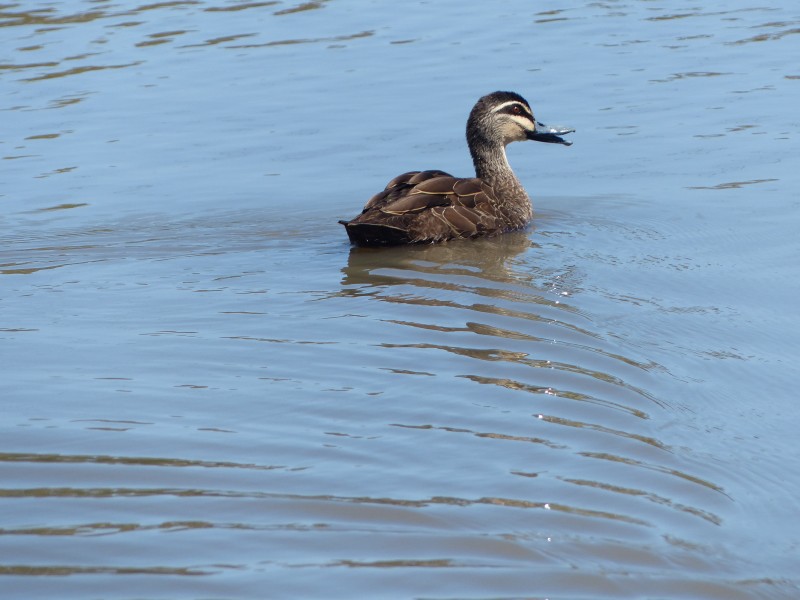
(517, 110)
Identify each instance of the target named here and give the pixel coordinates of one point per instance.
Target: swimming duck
(434, 206)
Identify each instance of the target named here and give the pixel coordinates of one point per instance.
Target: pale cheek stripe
(524, 122)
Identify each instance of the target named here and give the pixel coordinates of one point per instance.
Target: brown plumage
(433, 206)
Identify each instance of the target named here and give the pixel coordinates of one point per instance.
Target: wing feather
(467, 187)
(415, 203)
(461, 220)
(436, 185)
(421, 176)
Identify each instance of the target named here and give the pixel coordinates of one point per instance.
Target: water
(207, 394)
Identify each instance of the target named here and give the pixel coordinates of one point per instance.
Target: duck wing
(464, 206)
(400, 186)
(425, 206)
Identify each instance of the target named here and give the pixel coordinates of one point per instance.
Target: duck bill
(551, 135)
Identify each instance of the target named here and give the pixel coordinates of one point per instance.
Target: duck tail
(371, 234)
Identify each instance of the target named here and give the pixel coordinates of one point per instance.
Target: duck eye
(516, 110)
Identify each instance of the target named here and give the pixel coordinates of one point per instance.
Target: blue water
(208, 394)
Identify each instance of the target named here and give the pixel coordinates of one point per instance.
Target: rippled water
(208, 394)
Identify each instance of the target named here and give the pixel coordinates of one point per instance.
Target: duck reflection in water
(491, 259)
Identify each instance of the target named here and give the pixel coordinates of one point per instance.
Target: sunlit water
(207, 393)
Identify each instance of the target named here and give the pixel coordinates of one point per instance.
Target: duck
(433, 206)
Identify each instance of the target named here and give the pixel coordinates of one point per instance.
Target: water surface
(208, 394)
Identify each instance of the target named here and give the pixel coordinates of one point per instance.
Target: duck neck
(491, 166)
